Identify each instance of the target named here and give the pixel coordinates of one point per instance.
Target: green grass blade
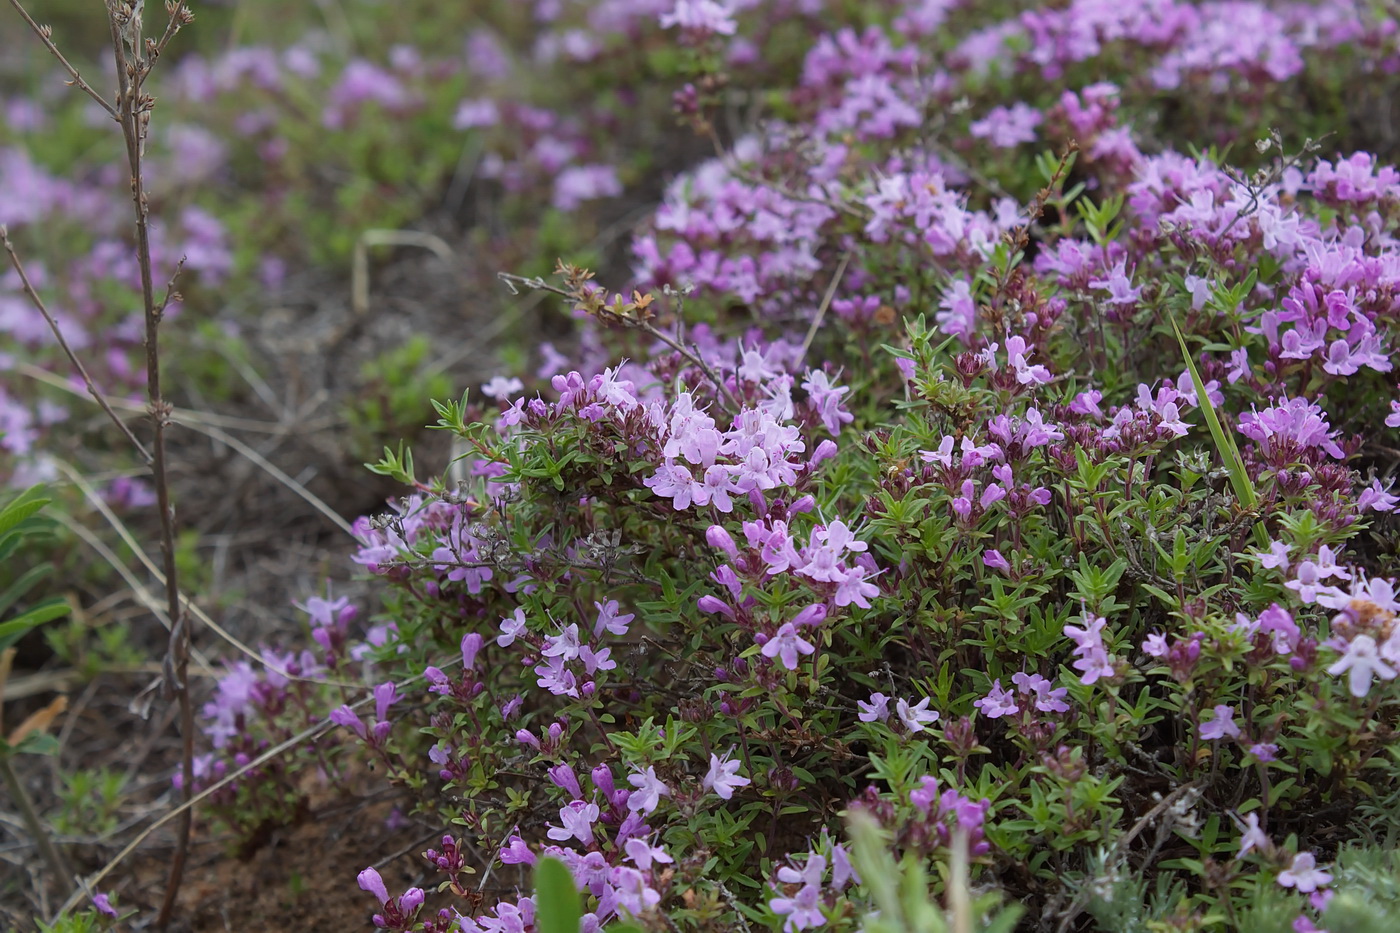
(1225, 445)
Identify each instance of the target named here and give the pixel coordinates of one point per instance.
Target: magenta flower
(104, 905)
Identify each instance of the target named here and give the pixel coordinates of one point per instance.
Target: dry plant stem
(646, 327)
(52, 857)
(45, 35)
(133, 114)
(63, 343)
(694, 358)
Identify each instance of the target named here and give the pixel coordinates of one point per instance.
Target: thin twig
(1120, 848)
(45, 35)
(77, 364)
(694, 358)
(644, 326)
(133, 110)
(186, 416)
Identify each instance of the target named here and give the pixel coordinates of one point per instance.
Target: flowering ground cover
(911, 467)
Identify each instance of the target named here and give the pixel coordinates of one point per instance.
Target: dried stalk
(45, 35)
(134, 56)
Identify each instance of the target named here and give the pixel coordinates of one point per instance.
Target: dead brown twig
(134, 56)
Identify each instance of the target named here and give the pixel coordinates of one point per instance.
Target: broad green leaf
(21, 507)
(557, 908)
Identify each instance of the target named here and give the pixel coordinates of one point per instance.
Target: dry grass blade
(359, 274)
(826, 304)
(207, 425)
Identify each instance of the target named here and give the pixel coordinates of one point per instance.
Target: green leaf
(38, 743)
(557, 907)
(21, 507)
(13, 630)
(23, 585)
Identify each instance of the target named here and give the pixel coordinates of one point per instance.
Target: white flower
(1363, 660)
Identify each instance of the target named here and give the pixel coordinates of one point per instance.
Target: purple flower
(370, 881)
(998, 702)
(502, 388)
(1007, 127)
(917, 716)
(1047, 700)
(345, 716)
(1119, 285)
(786, 644)
(610, 620)
(563, 646)
(1264, 751)
(877, 708)
(1276, 556)
(1290, 422)
(803, 909)
(723, 777)
(1093, 658)
(1221, 726)
(1254, 837)
(516, 852)
(410, 901)
(720, 539)
(471, 644)
(826, 398)
(993, 560)
(104, 905)
(564, 778)
(701, 16)
(1304, 875)
(649, 791)
(512, 627)
(576, 822)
